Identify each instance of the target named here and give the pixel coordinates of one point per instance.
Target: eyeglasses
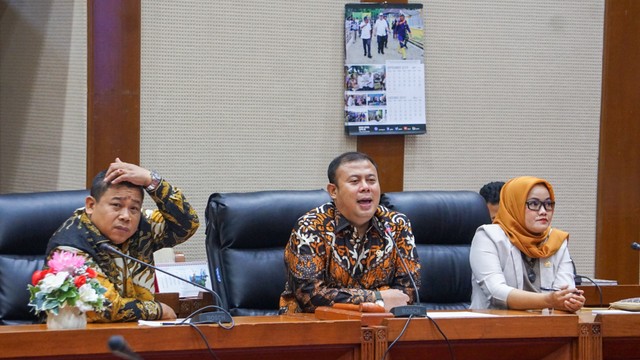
(535, 205)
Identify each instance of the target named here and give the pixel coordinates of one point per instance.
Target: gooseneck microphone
(406, 310)
(635, 246)
(119, 347)
(213, 317)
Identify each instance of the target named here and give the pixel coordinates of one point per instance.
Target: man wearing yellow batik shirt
(343, 251)
(113, 215)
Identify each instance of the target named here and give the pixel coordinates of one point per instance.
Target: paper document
(613, 311)
(157, 323)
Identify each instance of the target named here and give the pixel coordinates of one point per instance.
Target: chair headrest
(440, 217)
(259, 219)
(28, 220)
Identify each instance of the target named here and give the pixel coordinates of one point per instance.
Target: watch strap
(155, 181)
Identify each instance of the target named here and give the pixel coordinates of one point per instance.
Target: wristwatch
(379, 300)
(155, 181)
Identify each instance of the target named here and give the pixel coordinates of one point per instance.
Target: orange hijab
(510, 217)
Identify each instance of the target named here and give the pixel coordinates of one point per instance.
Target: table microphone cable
(596, 285)
(406, 325)
(195, 326)
(204, 338)
(207, 308)
(389, 234)
(578, 280)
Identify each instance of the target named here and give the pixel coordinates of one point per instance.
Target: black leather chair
(247, 233)
(245, 239)
(27, 221)
(443, 224)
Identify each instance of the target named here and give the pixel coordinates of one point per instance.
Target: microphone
(635, 246)
(406, 310)
(121, 349)
(577, 279)
(212, 317)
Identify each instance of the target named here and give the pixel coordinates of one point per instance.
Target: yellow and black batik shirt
(130, 286)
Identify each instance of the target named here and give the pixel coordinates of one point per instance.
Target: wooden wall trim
(113, 83)
(618, 210)
(388, 153)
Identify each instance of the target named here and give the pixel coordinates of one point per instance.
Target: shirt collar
(342, 223)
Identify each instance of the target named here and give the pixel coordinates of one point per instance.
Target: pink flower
(65, 261)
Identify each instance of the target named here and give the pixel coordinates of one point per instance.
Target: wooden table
(511, 335)
(610, 293)
(259, 337)
(506, 335)
(620, 336)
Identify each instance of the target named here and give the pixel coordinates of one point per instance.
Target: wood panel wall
(113, 83)
(618, 210)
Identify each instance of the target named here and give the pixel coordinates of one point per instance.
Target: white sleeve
(486, 266)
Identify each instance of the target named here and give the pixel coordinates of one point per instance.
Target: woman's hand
(567, 299)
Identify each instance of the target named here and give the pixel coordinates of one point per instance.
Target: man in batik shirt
(342, 251)
(113, 215)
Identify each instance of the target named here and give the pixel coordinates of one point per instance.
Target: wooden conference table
(610, 293)
(494, 335)
(256, 337)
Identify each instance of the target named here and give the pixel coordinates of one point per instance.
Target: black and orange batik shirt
(328, 262)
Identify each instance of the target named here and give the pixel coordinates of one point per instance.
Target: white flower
(83, 307)
(87, 294)
(52, 282)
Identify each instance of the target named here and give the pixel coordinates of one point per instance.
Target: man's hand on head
(120, 171)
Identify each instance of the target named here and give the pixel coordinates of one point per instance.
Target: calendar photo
(384, 60)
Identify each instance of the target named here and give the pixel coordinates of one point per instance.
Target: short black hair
(99, 186)
(491, 192)
(344, 158)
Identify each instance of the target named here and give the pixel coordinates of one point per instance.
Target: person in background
(381, 29)
(355, 29)
(343, 252)
(393, 28)
(491, 194)
(365, 35)
(403, 33)
(519, 261)
(113, 215)
(386, 37)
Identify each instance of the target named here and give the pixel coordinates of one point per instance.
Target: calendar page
(195, 272)
(384, 69)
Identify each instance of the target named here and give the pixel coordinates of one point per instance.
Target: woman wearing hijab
(519, 261)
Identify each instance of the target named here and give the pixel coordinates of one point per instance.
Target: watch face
(155, 181)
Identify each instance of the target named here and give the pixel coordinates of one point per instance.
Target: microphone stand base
(213, 317)
(408, 310)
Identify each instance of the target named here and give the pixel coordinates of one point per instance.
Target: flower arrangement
(68, 282)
